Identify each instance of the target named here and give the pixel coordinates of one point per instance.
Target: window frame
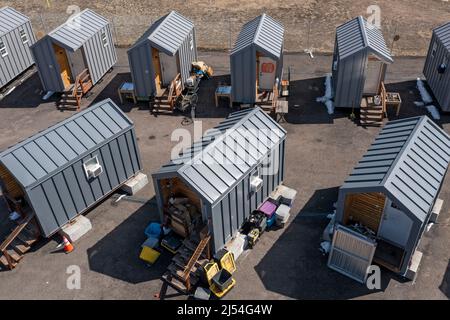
(104, 38)
(3, 49)
(22, 34)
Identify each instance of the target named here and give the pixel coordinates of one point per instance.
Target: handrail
(16, 231)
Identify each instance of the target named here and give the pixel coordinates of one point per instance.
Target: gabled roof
(357, 35)
(40, 156)
(264, 32)
(10, 19)
(443, 33)
(408, 160)
(76, 31)
(168, 33)
(226, 153)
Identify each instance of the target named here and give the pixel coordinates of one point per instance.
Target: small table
(281, 109)
(127, 89)
(223, 91)
(394, 99)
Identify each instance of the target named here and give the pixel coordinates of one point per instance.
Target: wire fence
(220, 33)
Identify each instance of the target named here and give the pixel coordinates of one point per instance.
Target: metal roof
(409, 160)
(40, 156)
(76, 31)
(264, 32)
(443, 33)
(168, 33)
(10, 19)
(226, 153)
(357, 35)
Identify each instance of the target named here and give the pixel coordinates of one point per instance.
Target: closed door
(267, 69)
(169, 68)
(64, 66)
(395, 225)
(374, 71)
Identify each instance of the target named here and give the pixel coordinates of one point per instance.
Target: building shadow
(27, 94)
(117, 254)
(445, 285)
(295, 267)
(303, 106)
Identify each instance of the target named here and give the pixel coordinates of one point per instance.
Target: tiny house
(437, 66)
(386, 203)
(65, 170)
(218, 174)
(256, 60)
(16, 37)
(359, 62)
(165, 50)
(81, 49)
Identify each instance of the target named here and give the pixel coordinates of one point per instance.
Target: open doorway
(169, 68)
(77, 62)
(64, 66)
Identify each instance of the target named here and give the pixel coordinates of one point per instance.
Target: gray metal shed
(359, 62)
(16, 37)
(437, 65)
(167, 48)
(83, 42)
(256, 60)
(56, 171)
(393, 189)
(216, 172)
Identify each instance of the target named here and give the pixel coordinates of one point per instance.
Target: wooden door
(157, 68)
(169, 68)
(64, 66)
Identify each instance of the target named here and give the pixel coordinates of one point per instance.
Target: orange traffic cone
(68, 247)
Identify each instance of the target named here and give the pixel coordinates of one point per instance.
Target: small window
(104, 39)
(433, 51)
(191, 41)
(23, 36)
(3, 50)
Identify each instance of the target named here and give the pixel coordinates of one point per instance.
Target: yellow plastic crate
(149, 255)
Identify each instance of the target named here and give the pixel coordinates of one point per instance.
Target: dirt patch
(308, 23)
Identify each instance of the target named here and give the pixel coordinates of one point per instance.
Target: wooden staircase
(72, 99)
(184, 271)
(371, 114)
(166, 100)
(19, 242)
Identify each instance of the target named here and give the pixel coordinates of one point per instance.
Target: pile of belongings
(217, 276)
(182, 216)
(154, 232)
(202, 69)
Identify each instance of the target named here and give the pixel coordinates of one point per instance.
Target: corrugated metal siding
(243, 75)
(47, 66)
(83, 33)
(100, 59)
(141, 68)
(262, 34)
(10, 19)
(230, 213)
(354, 41)
(219, 166)
(439, 83)
(19, 56)
(170, 34)
(49, 165)
(74, 33)
(408, 160)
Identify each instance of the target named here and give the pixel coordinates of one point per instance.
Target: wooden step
(173, 282)
(371, 118)
(4, 262)
(26, 238)
(371, 123)
(14, 255)
(19, 247)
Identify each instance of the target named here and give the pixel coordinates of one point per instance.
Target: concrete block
(436, 210)
(413, 269)
(77, 228)
(135, 184)
(237, 245)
